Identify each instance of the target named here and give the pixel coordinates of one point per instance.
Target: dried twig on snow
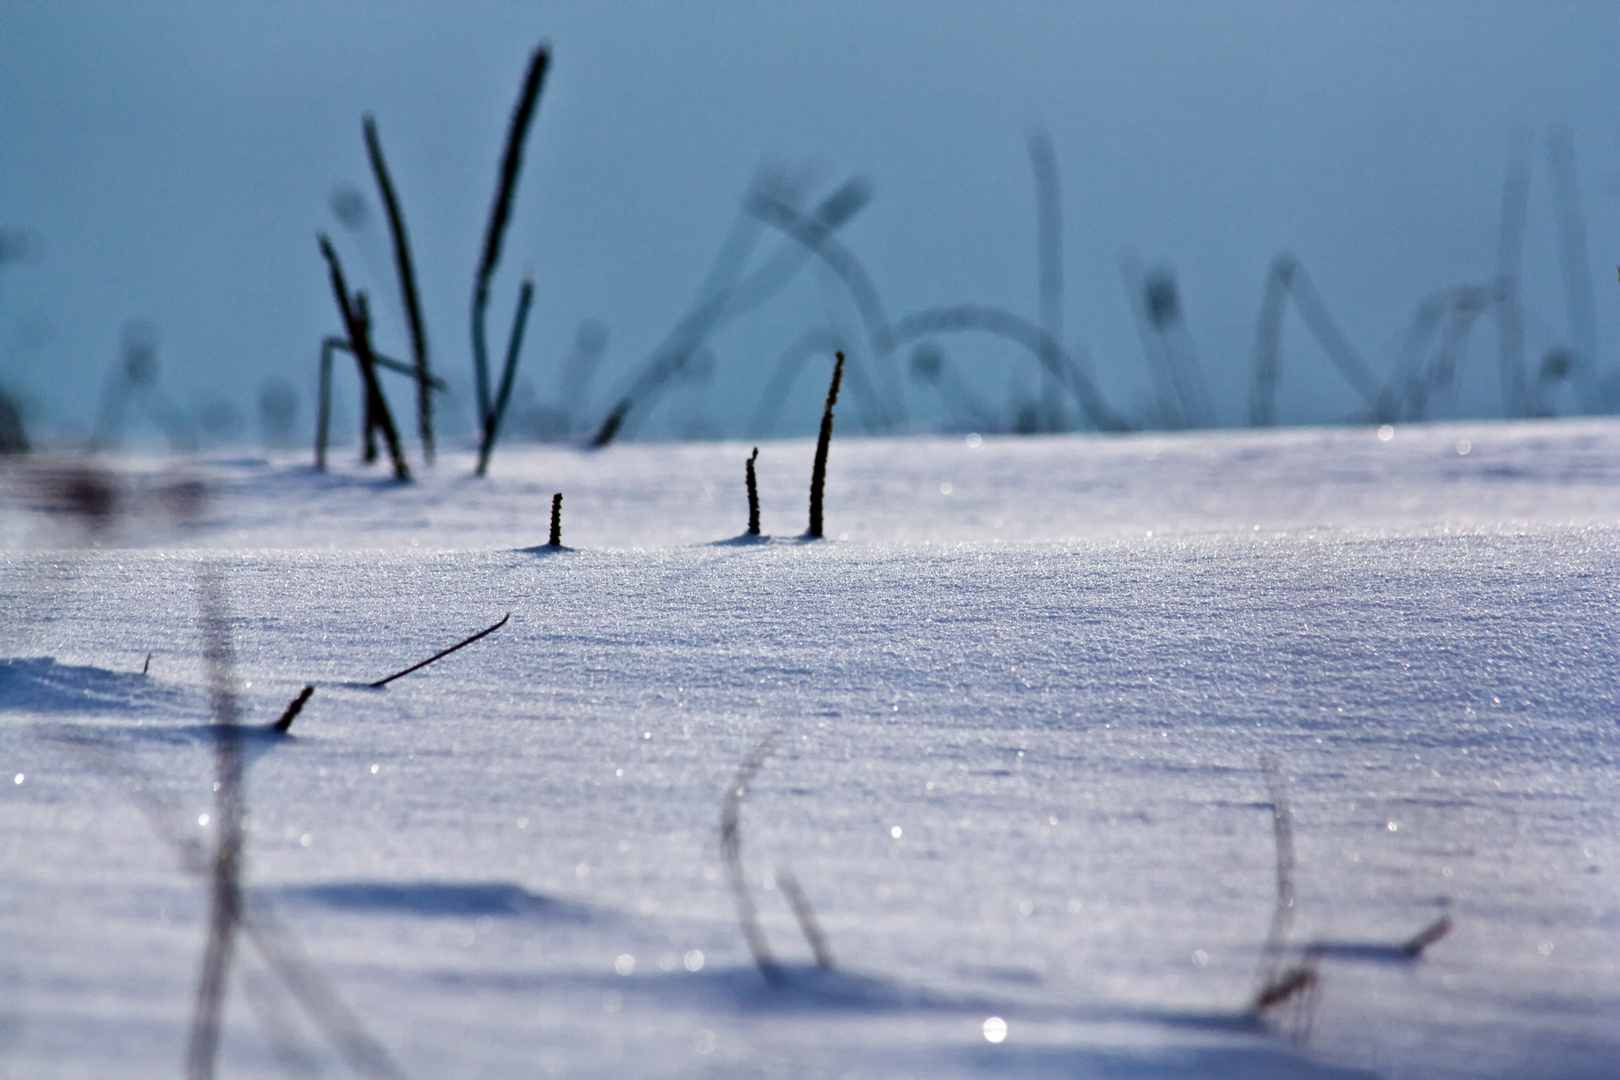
(808, 925)
(731, 850)
(753, 493)
(818, 473)
(294, 707)
(441, 655)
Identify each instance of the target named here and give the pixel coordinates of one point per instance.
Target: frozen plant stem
(556, 520)
(731, 850)
(294, 707)
(442, 654)
(753, 494)
(818, 474)
(808, 925)
(514, 347)
(1282, 916)
(500, 215)
(357, 323)
(225, 905)
(1414, 946)
(407, 288)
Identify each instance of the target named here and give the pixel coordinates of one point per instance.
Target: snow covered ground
(1022, 694)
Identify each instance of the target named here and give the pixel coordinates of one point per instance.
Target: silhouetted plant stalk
(294, 707)
(323, 409)
(1415, 945)
(225, 900)
(809, 926)
(499, 217)
(357, 323)
(753, 493)
(1275, 984)
(818, 472)
(406, 269)
(514, 345)
(731, 851)
(442, 654)
(556, 520)
(1282, 914)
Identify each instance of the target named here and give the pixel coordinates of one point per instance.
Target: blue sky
(173, 163)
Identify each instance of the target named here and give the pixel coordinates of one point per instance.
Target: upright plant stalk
(1049, 250)
(500, 215)
(323, 407)
(225, 905)
(1282, 916)
(1509, 257)
(514, 346)
(809, 926)
(556, 520)
(406, 268)
(818, 473)
(731, 850)
(357, 322)
(753, 493)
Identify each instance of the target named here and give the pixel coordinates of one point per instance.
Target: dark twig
(1282, 915)
(1427, 936)
(294, 707)
(731, 850)
(818, 473)
(753, 493)
(323, 409)
(514, 347)
(357, 322)
(556, 520)
(407, 288)
(147, 667)
(500, 215)
(225, 906)
(441, 655)
(800, 903)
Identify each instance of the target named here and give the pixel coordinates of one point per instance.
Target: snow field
(1061, 714)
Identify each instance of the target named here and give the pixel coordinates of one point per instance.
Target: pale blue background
(174, 161)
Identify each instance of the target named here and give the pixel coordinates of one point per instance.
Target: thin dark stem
(818, 473)
(357, 322)
(323, 407)
(610, 425)
(556, 520)
(406, 268)
(1049, 251)
(441, 655)
(731, 850)
(378, 414)
(294, 707)
(500, 215)
(1282, 916)
(753, 494)
(808, 925)
(514, 348)
(1430, 934)
(225, 906)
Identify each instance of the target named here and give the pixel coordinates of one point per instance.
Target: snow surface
(1017, 772)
